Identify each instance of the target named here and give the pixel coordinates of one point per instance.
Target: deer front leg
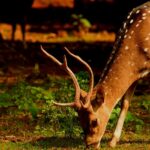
(22, 24)
(124, 108)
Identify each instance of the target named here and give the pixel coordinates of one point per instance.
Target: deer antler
(64, 66)
(88, 97)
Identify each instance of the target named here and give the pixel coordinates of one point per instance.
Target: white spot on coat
(145, 63)
(129, 37)
(132, 32)
(144, 14)
(119, 37)
(125, 36)
(137, 25)
(104, 82)
(138, 11)
(147, 38)
(145, 73)
(126, 47)
(131, 21)
(124, 25)
(143, 18)
(140, 21)
(145, 6)
(110, 70)
(145, 49)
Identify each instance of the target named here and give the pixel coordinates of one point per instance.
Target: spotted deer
(129, 62)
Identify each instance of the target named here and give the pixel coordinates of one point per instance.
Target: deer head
(85, 103)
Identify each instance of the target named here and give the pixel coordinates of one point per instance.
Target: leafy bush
(134, 120)
(131, 120)
(80, 23)
(25, 97)
(113, 118)
(145, 102)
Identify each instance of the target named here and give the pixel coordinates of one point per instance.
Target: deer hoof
(113, 142)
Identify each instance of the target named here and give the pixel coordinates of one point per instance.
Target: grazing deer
(129, 62)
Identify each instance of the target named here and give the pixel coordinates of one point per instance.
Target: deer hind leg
(124, 108)
(23, 36)
(23, 26)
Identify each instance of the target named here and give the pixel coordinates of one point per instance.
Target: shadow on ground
(57, 142)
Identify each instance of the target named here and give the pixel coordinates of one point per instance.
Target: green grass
(130, 141)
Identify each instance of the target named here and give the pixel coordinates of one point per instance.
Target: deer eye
(94, 123)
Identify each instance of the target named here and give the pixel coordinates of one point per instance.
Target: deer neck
(120, 75)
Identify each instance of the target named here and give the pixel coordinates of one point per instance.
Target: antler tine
(64, 66)
(88, 68)
(51, 57)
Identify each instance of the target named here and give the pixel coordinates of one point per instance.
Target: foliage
(130, 120)
(83, 79)
(80, 23)
(26, 97)
(114, 116)
(145, 102)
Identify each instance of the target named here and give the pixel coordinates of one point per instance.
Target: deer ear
(99, 97)
(98, 101)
